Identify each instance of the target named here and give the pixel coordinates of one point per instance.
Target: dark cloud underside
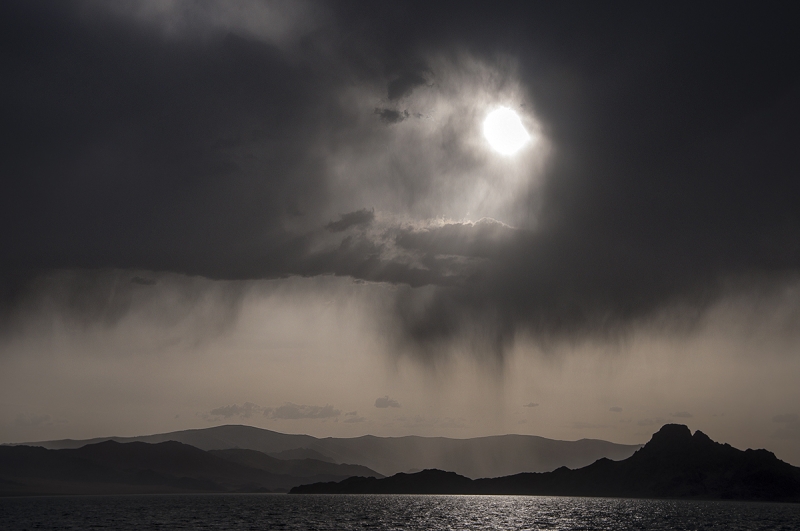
(359, 218)
(674, 166)
(403, 85)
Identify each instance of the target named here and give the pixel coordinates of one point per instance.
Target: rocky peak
(670, 436)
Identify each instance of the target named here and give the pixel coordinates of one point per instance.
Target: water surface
(387, 512)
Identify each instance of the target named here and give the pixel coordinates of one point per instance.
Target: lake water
(385, 512)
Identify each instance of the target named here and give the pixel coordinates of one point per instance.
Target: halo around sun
(504, 131)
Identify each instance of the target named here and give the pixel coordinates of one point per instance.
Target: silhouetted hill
(430, 481)
(137, 467)
(215, 438)
(478, 457)
(674, 464)
(292, 467)
(301, 453)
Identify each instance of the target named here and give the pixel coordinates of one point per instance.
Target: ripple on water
(388, 512)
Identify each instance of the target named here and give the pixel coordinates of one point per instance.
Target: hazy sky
(286, 214)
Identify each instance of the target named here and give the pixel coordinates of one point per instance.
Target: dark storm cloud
(404, 85)
(80, 299)
(673, 175)
(391, 116)
(131, 148)
(359, 218)
(484, 238)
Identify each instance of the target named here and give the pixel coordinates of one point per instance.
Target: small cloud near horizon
(352, 417)
(616, 409)
(385, 402)
(790, 428)
(578, 425)
(531, 404)
(244, 411)
(421, 421)
(290, 411)
(33, 421)
(683, 415)
(651, 422)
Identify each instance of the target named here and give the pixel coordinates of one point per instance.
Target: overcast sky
(286, 214)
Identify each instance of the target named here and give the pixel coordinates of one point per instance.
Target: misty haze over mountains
(110, 467)
(674, 464)
(477, 457)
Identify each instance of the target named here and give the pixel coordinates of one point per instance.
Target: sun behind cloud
(504, 131)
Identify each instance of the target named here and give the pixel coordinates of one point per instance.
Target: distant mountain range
(474, 458)
(674, 464)
(111, 467)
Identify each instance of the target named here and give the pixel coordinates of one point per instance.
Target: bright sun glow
(504, 131)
